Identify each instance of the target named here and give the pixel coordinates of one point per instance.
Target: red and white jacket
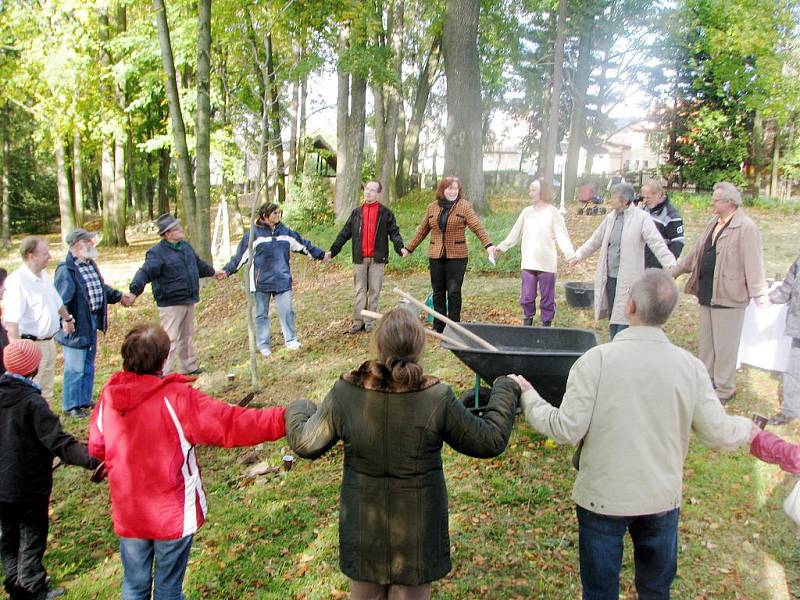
(146, 428)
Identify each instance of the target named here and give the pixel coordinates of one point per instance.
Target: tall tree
(463, 149)
(351, 99)
(176, 118)
(202, 230)
(549, 158)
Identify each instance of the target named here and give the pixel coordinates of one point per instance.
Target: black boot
(547, 323)
(527, 321)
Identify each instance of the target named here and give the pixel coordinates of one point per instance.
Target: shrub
(310, 203)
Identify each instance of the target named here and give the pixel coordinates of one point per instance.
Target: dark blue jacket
(174, 273)
(71, 287)
(271, 271)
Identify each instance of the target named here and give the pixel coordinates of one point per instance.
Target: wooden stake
(459, 328)
(430, 332)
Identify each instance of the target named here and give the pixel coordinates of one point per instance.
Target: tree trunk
(275, 121)
(463, 143)
(549, 158)
(577, 129)
(77, 179)
(392, 93)
(410, 147)
(776, 159)
(201, 241)
(64, 198)
(163, 180)
(5, 187)
(757, 159)
(114, 193)
(301, 128)
(294, 110)
(350, 120)
(176, 118)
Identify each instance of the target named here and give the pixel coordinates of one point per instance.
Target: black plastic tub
(579, 295)
(543, 355)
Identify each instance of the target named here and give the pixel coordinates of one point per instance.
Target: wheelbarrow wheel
(468, 400)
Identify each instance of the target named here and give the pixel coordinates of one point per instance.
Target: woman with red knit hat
(30, 437)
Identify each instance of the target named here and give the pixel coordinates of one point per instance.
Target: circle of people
(629, 406)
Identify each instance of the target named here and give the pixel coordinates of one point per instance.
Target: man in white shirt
(632, 404)
(33, 309)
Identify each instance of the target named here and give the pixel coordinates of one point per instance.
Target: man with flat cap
(175, 269)
(86, 296)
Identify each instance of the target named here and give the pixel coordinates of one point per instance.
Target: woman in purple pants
(540, 226)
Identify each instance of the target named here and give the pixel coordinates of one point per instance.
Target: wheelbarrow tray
(543, 355)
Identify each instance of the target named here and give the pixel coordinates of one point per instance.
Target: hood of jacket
(125, 390)
(13, 390)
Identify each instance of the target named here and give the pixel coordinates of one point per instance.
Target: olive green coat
(393, 524)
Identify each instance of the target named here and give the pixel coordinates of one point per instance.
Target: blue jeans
(283, 303)
(655, 553)
(79, 374)
(171, 558)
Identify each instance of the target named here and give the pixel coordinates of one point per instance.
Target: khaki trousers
(47, 368)
(178, 322)
(364, 590)
(720, 330)
(368, 281)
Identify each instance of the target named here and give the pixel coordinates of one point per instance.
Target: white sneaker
(293, 345)
(266, 353)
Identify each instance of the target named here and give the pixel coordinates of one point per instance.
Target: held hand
(328, 256)
(219, 275)
(754, 431)
(404, 252)
(572, 261)
(523, 383)
(127, 299)
(763, 302)
(68, 326)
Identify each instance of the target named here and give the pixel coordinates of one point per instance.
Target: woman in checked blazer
(447, 219)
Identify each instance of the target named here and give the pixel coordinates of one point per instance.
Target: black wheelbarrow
(543, 355)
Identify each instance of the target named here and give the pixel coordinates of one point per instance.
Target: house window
(645, 164)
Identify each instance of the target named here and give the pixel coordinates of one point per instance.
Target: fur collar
(373, 375)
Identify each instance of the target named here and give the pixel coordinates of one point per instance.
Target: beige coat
(739, 271)
(638, 229)
(635, 402)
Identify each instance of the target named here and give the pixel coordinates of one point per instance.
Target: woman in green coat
(393, 419)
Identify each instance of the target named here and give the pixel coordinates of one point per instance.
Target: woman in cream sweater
(540, 226)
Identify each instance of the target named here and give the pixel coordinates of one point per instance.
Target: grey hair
(729, 192)
(624, 191)
(28, 245)
(654, 184)
(655, 296)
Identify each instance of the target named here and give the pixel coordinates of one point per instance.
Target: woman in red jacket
(145, 427)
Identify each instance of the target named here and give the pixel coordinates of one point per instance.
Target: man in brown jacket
(726, 270)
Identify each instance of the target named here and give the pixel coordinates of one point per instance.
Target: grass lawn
(512, 523)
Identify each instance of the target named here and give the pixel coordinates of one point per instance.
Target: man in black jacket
(369, 226)
(665, 217)
(175, 269)
(30, 437)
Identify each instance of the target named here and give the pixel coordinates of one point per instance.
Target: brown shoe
(355, 328)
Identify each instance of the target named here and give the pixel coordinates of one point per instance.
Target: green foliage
(310, 203)
(714, 148)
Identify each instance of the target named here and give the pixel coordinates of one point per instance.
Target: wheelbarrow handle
(452, 341)
(459, 328)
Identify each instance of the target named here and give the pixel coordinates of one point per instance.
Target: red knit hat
(22, 357)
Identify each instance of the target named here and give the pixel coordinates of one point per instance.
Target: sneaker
(197, 371)
(293, 345)
(355, 328)
(57, 592)
(77, 413)
(527, 321)
(266, 353)
(547, 323)
(781, 419)
(369, 327)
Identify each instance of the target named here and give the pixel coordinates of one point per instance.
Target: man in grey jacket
(632, 404)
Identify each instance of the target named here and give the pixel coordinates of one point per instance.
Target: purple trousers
(546, 282)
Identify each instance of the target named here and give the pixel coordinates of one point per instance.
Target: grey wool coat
(788, 292)
(393, 520)
(637, 230)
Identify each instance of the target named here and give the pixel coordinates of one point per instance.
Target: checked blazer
(453, 244)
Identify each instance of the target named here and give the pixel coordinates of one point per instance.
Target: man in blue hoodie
(270, 274)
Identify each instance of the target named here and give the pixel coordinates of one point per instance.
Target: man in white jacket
(632, 405)
(540, 226)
